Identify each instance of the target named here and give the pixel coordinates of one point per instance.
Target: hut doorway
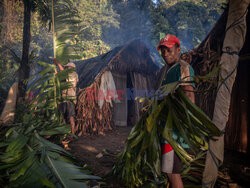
(126, 111)
(120, 109)
(237, 131)
(132, 84)
(131, 118)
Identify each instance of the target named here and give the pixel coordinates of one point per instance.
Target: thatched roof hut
(110, 82)
(204, 59)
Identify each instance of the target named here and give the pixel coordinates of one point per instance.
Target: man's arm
(58, 64)
(189, 92)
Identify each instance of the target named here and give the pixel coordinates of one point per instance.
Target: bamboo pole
(54, 49)
(53, 28)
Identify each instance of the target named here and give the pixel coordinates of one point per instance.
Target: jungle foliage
(30, 156)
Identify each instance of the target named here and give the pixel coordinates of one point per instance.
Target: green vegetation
(94, 17)
(27, 159)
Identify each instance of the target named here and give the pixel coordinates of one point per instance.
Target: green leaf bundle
(140, 161)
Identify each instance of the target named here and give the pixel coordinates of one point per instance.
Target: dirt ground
(238, 167)
(99, 151)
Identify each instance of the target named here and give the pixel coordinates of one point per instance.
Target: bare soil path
(99, 151)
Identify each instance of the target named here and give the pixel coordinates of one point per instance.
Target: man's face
(170, 55)
(69, 67)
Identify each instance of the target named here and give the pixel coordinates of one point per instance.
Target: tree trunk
(24, 70)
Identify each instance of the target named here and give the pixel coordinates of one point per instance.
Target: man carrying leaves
(177, 70)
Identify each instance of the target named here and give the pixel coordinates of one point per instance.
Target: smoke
(190, 22)
(134, 21)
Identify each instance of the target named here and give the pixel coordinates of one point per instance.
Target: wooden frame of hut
(225, 97)
(203, 60)
(110, 84)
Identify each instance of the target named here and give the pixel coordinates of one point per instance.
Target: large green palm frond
(66, 19)
(29, 160)
(66, 29)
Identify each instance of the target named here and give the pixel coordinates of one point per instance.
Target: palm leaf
(142, 148)
(29, 160)
(67, 173)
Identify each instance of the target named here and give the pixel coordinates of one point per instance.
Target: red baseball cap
(168, 41)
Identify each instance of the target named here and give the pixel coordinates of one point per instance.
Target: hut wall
(134, 59)
(203, 60)
(139, 82)
(120, 109)
(138, 88)
(237, 131)
(237, 136)
(90, 119)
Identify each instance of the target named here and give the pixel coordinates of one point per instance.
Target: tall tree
(43, 9)
(24, 70)
(95, 16)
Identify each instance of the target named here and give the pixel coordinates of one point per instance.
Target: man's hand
(189, 92)
(55, 60)
(58, 63)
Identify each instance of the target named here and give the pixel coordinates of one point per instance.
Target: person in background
(178, 69)
(67, 108)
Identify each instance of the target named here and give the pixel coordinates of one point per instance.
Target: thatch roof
(133, 57)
